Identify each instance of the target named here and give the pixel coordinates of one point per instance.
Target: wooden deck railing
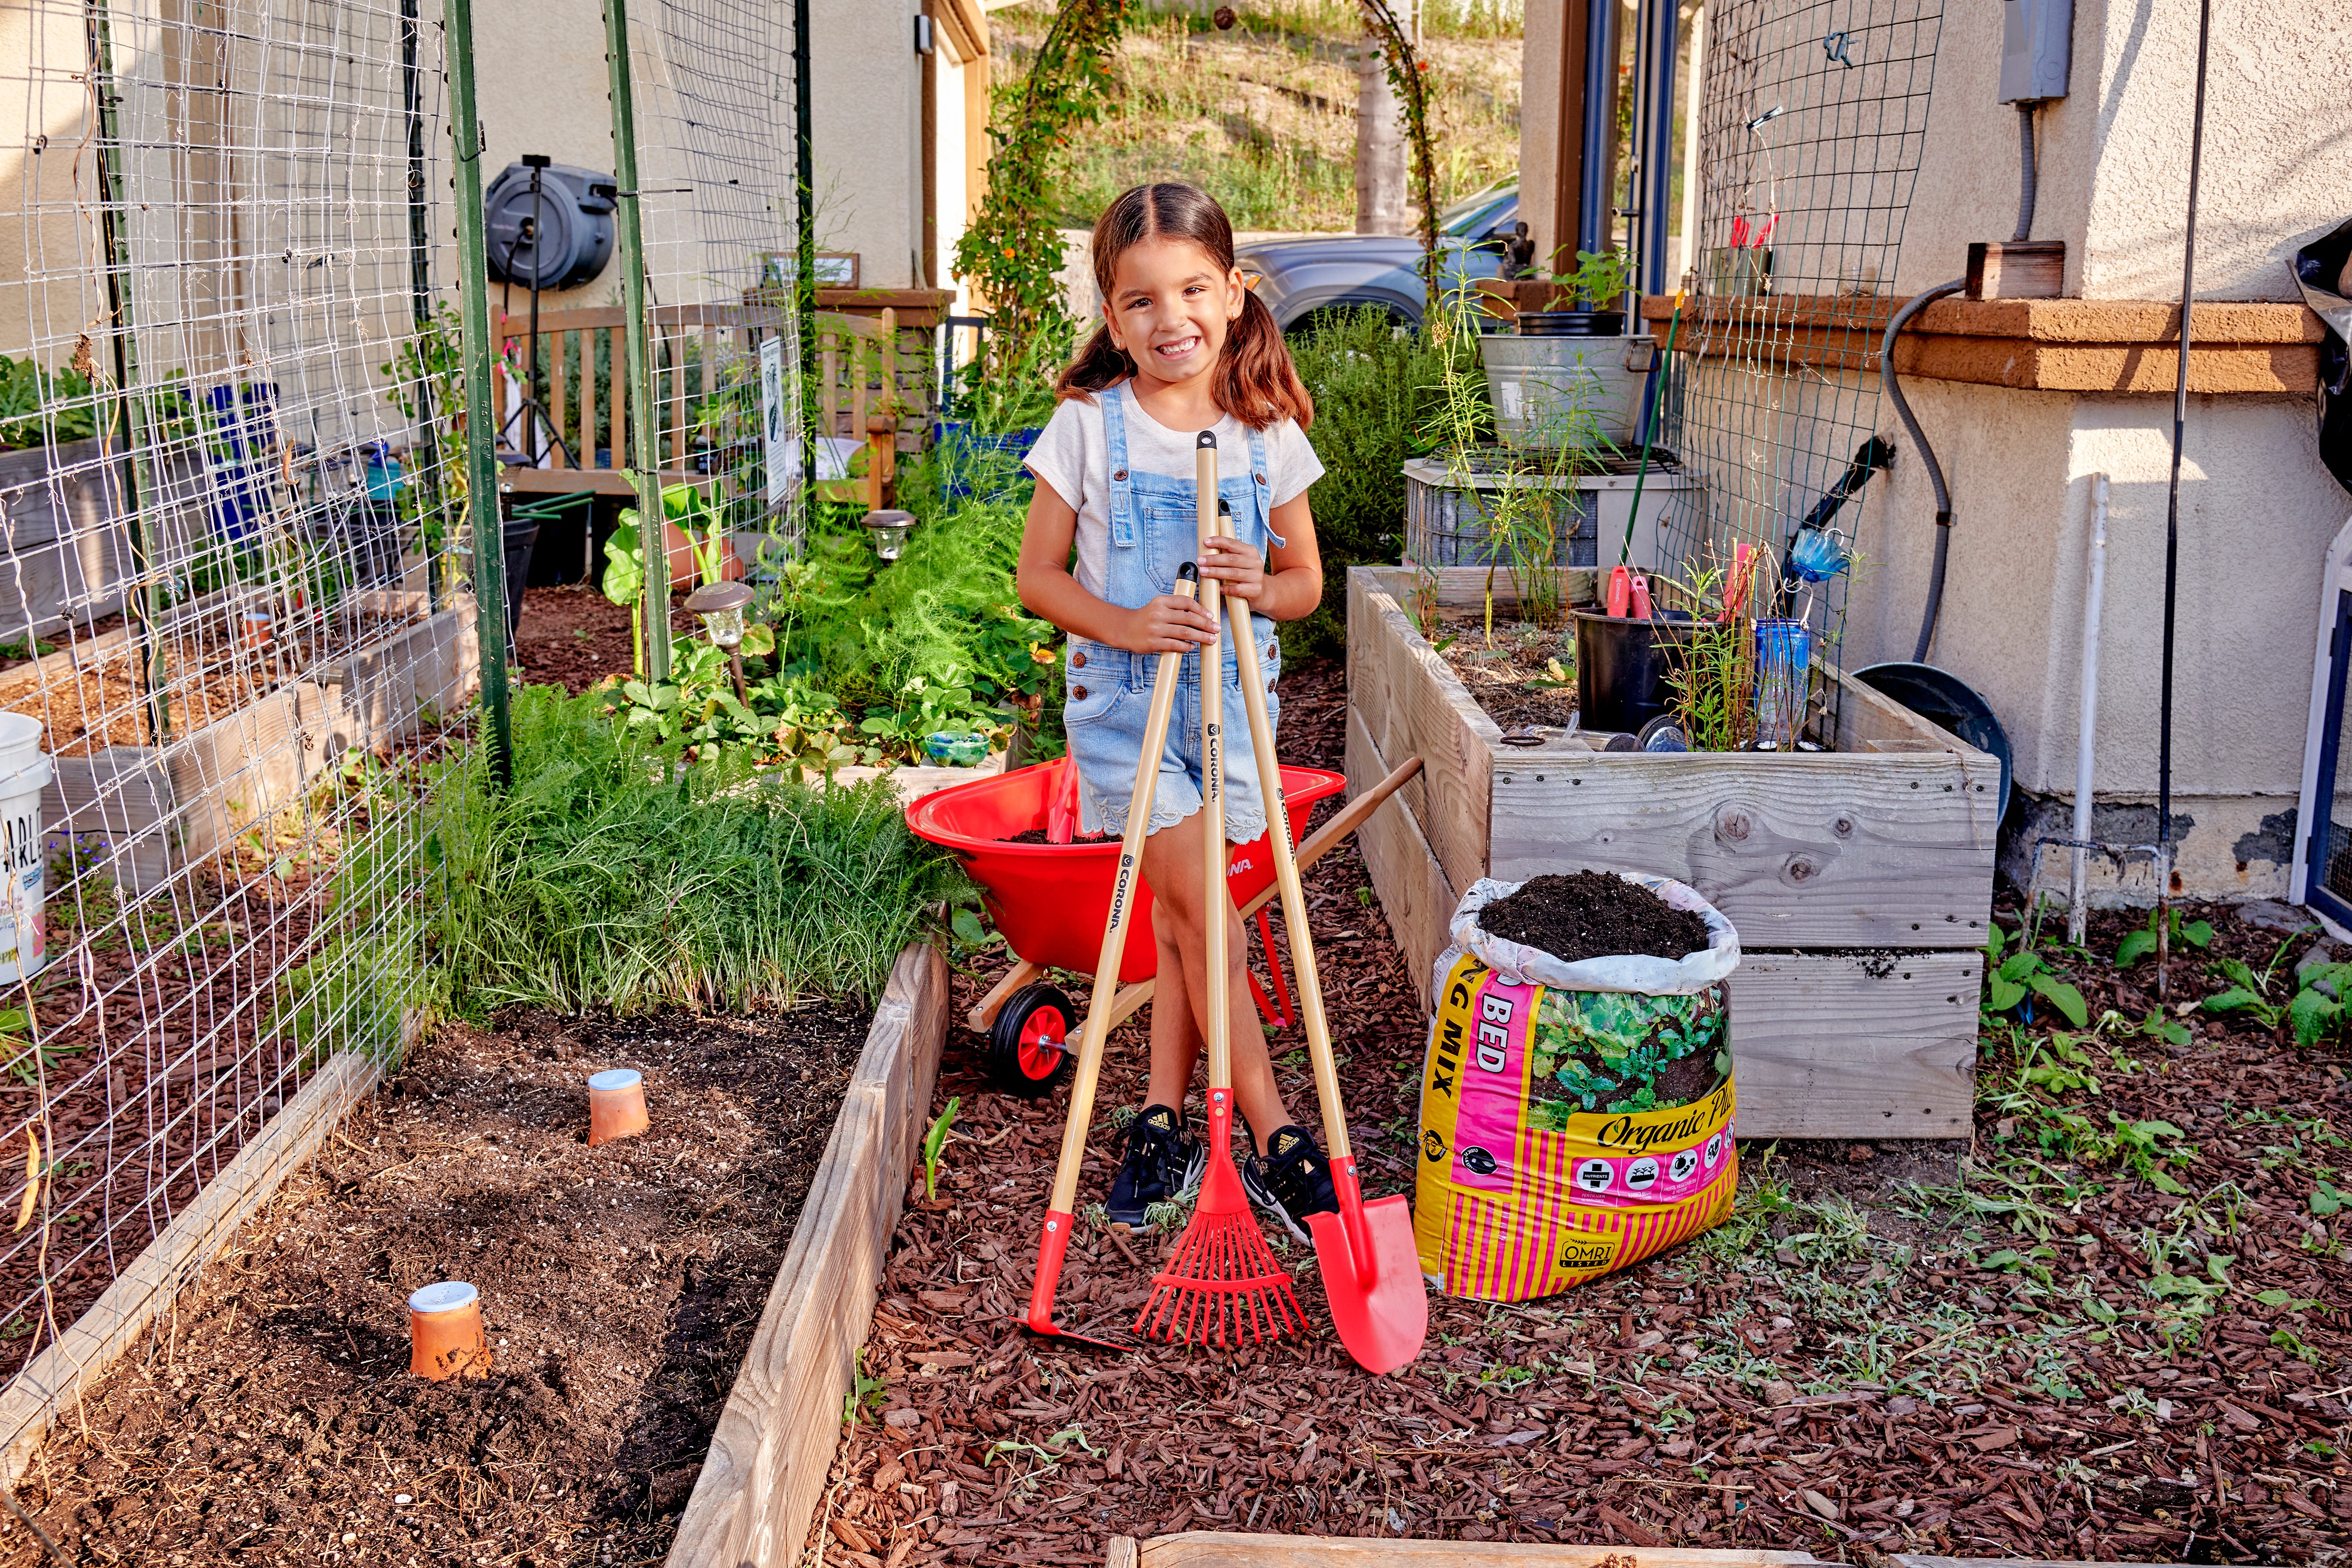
(867, 387)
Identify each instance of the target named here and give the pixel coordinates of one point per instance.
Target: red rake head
(1222, 1284)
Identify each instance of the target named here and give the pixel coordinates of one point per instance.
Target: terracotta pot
(616, 1105)
(683, 572)
(444, 1332)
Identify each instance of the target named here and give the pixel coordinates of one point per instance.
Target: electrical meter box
(2037, 47)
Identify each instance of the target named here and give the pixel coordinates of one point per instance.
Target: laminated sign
(1575, 1118)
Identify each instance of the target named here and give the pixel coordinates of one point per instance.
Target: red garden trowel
(1371, 1271)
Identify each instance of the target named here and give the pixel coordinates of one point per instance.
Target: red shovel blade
(1380, 1304)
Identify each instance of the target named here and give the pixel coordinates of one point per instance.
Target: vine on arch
(1407, 73)
(1013, 250)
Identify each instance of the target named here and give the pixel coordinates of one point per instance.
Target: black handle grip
(1188, 572)
(1207, 440)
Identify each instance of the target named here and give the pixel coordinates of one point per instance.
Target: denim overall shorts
(1154, 529)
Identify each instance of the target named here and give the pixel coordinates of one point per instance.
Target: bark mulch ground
(272, 1418)
(1998, 1348)
(574, 637)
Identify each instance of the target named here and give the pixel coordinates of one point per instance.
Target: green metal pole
(481, 399)
(644, 451)
(153, 677)
(804, 246)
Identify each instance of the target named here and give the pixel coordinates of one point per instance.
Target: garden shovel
(1371, 1270)
(1056, 1243)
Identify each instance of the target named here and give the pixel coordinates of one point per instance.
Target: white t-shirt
(1073, 456)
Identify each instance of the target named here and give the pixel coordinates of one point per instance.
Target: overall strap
(1262, 486)
(1122, 484)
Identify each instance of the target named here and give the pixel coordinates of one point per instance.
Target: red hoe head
(1040, 1319)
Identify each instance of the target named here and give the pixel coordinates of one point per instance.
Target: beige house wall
(2257, 510)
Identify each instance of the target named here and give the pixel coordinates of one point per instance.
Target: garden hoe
(1056, 1239)
(1371, 1270)
(1222, 1282)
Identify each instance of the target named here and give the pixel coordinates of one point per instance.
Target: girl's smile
(1170, 309)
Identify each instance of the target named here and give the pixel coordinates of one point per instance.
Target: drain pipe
(2088, 718)
(1911, 307)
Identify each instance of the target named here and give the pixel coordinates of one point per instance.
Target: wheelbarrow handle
(1318, 845)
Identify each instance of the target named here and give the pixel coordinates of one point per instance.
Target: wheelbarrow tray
(1050, 901)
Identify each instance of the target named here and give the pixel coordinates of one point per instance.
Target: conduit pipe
(2085, 740)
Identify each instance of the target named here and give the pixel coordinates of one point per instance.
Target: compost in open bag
(1575, 1117)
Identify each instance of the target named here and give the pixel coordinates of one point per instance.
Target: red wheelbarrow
(1050, 901)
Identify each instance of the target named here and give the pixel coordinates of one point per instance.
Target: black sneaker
(1291, 1180)
(1164, 1163)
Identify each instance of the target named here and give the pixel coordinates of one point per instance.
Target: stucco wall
(37, 233)
(867, 116)
(2114, 151)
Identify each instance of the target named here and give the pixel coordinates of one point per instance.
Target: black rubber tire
(1011, 1069)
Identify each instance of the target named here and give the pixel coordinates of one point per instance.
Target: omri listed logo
(1432, 1147)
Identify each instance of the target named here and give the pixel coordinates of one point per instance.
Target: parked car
(1302, 280)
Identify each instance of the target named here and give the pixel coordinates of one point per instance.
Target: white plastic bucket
(25, 771)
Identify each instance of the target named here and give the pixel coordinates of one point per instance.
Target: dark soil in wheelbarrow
(2000, 1350)
(273, 1419)
(1593, 914)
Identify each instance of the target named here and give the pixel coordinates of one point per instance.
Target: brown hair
(1255, 382)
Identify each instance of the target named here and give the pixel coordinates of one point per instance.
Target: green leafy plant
(866, 1393)
(2139, 943)
(1600, 279)
(2317, 1009)
(2009, 979)
(935, 1142)
(37, 406)
(2248, 993)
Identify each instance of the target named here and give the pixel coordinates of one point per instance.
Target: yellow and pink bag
(1575, 1118)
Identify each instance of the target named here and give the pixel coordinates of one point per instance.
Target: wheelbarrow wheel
(1029, 1049)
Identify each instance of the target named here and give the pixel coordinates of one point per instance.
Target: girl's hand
(1166, 626)
(1237, 568)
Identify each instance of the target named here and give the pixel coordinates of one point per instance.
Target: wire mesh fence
(717, 168)
(225, 600)
(235, 609)
(1811, 124)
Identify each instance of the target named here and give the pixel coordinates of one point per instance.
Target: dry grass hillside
(1263, 117)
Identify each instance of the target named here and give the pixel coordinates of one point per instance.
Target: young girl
(1184, 347)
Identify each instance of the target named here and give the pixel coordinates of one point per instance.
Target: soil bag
(1575, 1117)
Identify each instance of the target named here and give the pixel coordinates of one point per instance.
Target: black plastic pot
(521, 535)
(1571, 323)
(1621, 668)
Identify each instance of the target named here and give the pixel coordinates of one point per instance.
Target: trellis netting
(236, 614)
(1812, 119)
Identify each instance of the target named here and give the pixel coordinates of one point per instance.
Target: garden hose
(1917, 303)
(1664, 368)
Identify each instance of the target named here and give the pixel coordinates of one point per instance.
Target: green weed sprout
(935, 1142)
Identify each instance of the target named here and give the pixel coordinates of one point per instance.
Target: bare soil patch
(1501, 675)
(273, 1419)
(1890, 1346)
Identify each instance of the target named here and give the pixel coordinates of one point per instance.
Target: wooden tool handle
(1122, 905)
(1217, 1026)
(1294, 896)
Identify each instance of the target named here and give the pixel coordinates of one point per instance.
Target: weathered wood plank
(1866, 715)
(103, 1332)
(1414, 891)
(765, 1471)
(1432, 716)
(1799, 850)
(1855, 1045)
(1210, 1549)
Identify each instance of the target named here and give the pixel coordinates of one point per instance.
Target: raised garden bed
(1860, 877)
(249, 731)
(269, 1415)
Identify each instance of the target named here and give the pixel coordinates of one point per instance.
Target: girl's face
(1170, 308)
